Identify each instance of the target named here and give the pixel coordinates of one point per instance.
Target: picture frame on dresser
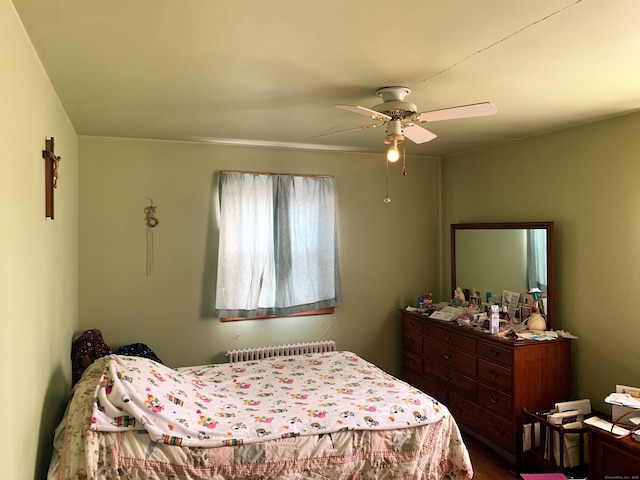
(525, 312)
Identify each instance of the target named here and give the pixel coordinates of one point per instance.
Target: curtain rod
(284, 174)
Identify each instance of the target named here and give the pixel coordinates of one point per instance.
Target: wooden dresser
(485, 380)
(611, 457)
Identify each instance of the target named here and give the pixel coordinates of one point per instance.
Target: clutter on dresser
(425, 300)
(504, 316)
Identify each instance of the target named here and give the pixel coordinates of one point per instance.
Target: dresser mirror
(494, 257)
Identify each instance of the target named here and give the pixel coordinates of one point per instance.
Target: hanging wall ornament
(151, 222)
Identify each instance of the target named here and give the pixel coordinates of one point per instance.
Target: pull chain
(387, 200)
(404, 160)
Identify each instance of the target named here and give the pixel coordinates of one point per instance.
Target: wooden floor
(486, 464)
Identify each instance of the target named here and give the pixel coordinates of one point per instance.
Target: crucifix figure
(56, 174)
(51, 175)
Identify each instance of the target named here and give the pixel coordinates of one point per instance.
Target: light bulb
(393, 154)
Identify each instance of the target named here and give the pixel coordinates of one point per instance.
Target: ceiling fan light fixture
(393, 154)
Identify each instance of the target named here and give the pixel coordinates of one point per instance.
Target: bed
(329, 415)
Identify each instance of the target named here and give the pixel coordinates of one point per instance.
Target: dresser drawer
(495, 375)
(447, 355)
(451, 338)
(412, 341)
(430, 388)
(465, 413)
(497, 430)
(411, 361)
(495, 353)
(493, 428)
(451, 380)
(411, 324)
(495, 401)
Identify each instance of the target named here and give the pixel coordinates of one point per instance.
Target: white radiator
(257, 353)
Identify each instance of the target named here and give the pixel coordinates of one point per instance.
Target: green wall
(87, 268)
(587, 180)
(388, 253)
(38, 257)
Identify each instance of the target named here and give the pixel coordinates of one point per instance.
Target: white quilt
(250, 402)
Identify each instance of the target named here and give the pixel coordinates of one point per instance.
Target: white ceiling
(269, 73)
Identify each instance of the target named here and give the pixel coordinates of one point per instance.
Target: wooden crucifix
(51, 165)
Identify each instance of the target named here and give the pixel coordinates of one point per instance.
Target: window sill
(322, 311)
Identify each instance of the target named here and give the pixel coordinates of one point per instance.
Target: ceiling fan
(402, 118)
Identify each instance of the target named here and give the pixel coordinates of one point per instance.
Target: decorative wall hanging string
(151, 221)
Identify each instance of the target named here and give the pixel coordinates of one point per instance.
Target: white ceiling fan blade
(418, 134)
(374, 125)
(463, 111)
(364, 111)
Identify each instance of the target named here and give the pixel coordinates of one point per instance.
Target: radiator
(257, 353)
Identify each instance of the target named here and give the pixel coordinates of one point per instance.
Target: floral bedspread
(430, 451)
(251, 402)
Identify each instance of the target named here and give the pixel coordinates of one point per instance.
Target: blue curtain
(278, 245)
(537, 259)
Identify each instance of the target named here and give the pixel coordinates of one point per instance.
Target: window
(278, 245)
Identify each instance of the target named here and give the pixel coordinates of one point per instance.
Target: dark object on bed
(84, 350)
(90, 346)
(138, 350)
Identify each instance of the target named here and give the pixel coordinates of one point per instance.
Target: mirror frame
(548, 226)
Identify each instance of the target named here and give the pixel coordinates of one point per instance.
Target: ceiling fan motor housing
(395, 107)
(396, 110)
(393, 103)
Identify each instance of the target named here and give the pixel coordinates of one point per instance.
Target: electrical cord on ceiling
(499, 41)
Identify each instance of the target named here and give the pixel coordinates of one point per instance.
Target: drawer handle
(495, 352)
(458, 408)
(493, 374)
(498, 430)
(447, 336)
(412, 341)
(412, 323)
(494, 400)
(447, 356)
(447, 377)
